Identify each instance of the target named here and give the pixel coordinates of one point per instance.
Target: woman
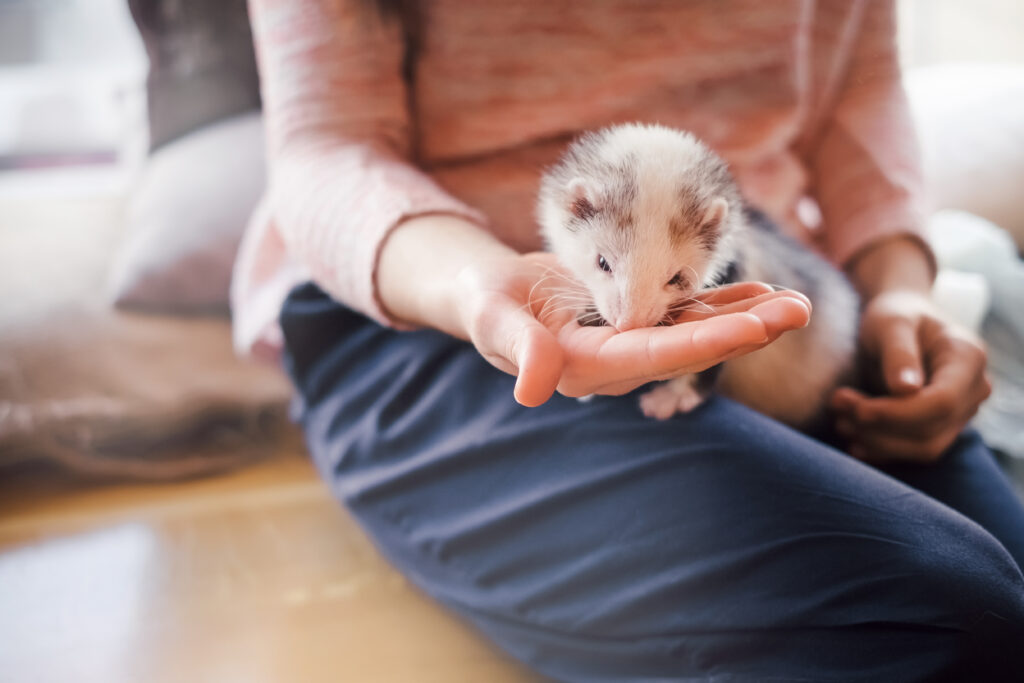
(406, 141)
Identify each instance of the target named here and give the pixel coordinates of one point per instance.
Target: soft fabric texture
(972, 246)
(971, 121)
(595, 544)
(801, 98)
(186, 218)
(202, 67)
(112, 393)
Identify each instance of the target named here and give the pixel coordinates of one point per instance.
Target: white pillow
(186, 219)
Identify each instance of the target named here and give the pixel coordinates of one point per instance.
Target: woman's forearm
(897, 263)
(419, 265)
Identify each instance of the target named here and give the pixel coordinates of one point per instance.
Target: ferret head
(643, 216)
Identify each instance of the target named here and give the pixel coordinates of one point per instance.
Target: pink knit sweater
(802, 98)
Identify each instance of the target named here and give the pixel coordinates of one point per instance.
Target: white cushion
(186, 219)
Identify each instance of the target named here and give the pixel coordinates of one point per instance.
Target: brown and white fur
(644, 216)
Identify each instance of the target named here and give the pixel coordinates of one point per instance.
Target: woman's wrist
(419, 266)
(900, 263)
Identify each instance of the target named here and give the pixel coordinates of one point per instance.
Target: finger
(705, 309)
(919, 429)
(900, 354)
(775, 331)
(783, 314)
(691, 347)
(539, 359)
(844, 400)
(957, 388)
(623, 387)
(880, 448)
(736, 291)
(514, 341)
(896, 413)
(747, 348)
(643, 355)
(923, 426)
(655, 352)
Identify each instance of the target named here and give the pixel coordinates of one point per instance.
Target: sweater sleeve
(866, 164)
(339, 140)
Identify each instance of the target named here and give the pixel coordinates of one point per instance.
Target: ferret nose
(628, 322)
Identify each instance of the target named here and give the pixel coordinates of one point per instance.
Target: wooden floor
(256, 576)
(253, 577)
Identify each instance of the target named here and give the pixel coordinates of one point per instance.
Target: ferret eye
(603, 264)
(678, 280)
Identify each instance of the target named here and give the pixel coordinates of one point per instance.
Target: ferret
(645, 216)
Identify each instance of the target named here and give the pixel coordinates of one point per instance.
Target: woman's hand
(933, 370)
(520, 312)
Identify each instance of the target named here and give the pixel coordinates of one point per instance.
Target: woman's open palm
(521, 314)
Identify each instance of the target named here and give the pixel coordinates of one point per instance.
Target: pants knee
(959, 578)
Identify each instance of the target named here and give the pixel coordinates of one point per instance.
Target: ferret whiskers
(695, 281)
(691, 304)
(568, 296)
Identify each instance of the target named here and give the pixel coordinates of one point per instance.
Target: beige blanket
(110, 392)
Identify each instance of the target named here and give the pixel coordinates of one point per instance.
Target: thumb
(538, 356)
(900, 353)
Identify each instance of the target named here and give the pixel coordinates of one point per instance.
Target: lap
(584, 537)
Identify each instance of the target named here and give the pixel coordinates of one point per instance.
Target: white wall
(938, 31)
(67, 31)
(73, 69)
(72, 75)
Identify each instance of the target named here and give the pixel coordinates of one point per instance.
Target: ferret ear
(716, 213)
(581, 199)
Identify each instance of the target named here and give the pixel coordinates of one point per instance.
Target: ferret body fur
(644, 216)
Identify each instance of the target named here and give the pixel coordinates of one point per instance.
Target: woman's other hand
(933, 370)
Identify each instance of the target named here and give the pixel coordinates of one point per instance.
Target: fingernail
(910, 377)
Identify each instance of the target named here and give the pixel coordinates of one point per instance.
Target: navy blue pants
(595, 544)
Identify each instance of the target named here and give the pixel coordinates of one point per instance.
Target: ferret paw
(665, 400)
